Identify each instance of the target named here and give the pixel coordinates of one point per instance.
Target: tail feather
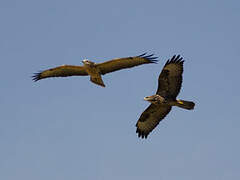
(97, 80)
(185, 104)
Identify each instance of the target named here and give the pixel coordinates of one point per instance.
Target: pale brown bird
(169, 85)
(95, 70)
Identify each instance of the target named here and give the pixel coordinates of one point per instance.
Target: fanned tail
(97, 80)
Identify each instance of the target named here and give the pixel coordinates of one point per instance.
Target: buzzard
(95, 70)
(169, 85)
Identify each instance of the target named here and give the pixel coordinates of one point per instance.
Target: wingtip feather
(151, 58)
(175, 59)
(141, 134)
(36, 76)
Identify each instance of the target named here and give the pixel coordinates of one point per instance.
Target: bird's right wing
(150, 118)
(127, 62)
(170, 79)
(61, 71)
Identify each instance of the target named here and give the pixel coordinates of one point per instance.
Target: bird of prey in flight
(169, 85)
(95, 70)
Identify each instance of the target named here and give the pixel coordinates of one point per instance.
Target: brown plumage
(95, 70)
(169, 85)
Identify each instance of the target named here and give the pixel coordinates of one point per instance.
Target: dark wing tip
(36, 76)
(151, 58)
(176, 59)
(142, 134)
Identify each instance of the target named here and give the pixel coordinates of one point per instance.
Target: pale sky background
(69, 128)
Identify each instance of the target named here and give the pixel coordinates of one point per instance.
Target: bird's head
(87, 62)
(155, 99)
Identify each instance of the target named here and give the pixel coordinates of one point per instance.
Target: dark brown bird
(95, 70)
(169, 85)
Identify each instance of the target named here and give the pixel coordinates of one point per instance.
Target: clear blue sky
(69, 128)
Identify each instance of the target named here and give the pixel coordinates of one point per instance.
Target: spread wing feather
(61, 71)
(150, 118)
(170, 79)
(127, 62)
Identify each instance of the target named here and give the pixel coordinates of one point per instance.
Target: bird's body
(159, 100)
(169, 85)
(96, 70)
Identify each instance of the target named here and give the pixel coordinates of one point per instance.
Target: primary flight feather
(169, 85)
(95, 70)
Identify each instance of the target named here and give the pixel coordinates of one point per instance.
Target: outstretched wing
(61, 71)
(150, 118)
(170, 79)
(128, 62)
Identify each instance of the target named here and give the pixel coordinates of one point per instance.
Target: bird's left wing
(61, 71)
(150, 118)
(127, 62)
